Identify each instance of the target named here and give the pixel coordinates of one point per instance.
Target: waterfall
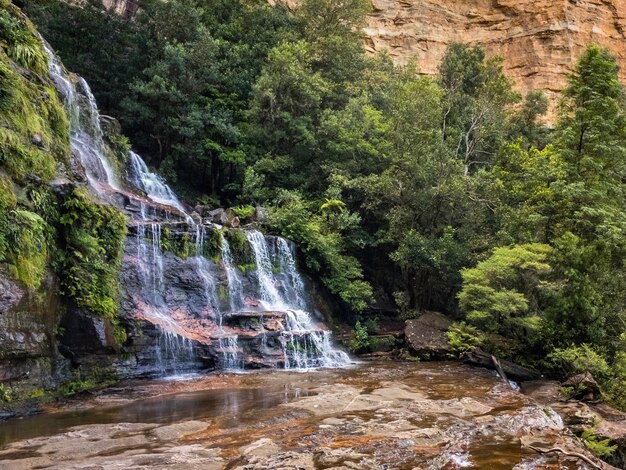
(154, 185)
(268, 292)
(305, 345)
(86, 136)
(179, 294)
(230, 353)
(205, 274)
(235, 284)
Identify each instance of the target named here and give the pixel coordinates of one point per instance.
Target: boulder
(218, 216)
(426, 335)
(584, 387)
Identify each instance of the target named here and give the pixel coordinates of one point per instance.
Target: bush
(93, 236)
(578, 359)
(244, 213)
(463, 337)
(360, 340)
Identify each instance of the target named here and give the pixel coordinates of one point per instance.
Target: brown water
(377, 415)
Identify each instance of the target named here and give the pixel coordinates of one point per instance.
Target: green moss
(240, 248)
(34, 130)
(245, 268)
(182, 246)
(222, 292)
(28, 255)
(93, 236)
(166, 239)
(213, 249)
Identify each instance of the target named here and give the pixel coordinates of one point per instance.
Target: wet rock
(576, 415)
(426, 335)
(10, 292)
(280, 461)
(84, 333)
(262, 448)
(260, 214)
(218, 216)
(583, 386)
(196, 217)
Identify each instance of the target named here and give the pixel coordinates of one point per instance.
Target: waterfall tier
(229, 298)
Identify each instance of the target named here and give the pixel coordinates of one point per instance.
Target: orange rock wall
(540, 40)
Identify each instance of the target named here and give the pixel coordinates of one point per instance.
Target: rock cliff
(540, 40)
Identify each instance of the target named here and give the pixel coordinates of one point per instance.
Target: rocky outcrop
(426, 335)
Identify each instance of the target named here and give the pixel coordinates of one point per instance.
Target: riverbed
(372, 416)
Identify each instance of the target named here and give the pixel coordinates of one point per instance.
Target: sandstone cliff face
(540, 40)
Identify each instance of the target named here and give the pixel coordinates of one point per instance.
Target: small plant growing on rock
(599, 447)
(463, 337)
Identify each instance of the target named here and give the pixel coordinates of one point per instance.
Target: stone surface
(376, 416)
(583, 386)
(426, 335)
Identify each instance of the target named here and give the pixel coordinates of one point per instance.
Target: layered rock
(539, 40)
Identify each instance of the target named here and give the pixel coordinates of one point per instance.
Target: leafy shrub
(578, 359)
(463, 337)
(503, 294)
(244, 212)
(94, 238)
(360, 340)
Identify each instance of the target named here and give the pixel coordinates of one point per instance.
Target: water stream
(273, 292)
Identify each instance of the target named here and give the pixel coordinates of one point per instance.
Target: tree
(476, 100)
(507, 292)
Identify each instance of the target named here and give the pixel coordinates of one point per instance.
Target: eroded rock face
(426, 335)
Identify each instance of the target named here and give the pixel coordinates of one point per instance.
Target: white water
(154, 185)
(86, 136)
(281, 288)
(231, 358)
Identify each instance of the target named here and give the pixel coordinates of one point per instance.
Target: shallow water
(376, 415)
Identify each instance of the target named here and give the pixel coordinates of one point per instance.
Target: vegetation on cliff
(42, 229)
(445, 194)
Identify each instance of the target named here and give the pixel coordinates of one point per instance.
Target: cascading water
(305, 345)
(154, 185)
(86, 136)
(257, 317)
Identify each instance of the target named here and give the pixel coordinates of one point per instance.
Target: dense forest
(450, 194)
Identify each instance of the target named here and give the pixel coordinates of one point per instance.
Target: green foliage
(18, 38)
(601, 448)
(505, 293)
(360, 340)
(245, 213)
(28, 238)
(7, 393)
(93, 237)
(240, 249)
(463, 337)
(579, 359)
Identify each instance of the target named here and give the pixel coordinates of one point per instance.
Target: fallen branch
(571, 454)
